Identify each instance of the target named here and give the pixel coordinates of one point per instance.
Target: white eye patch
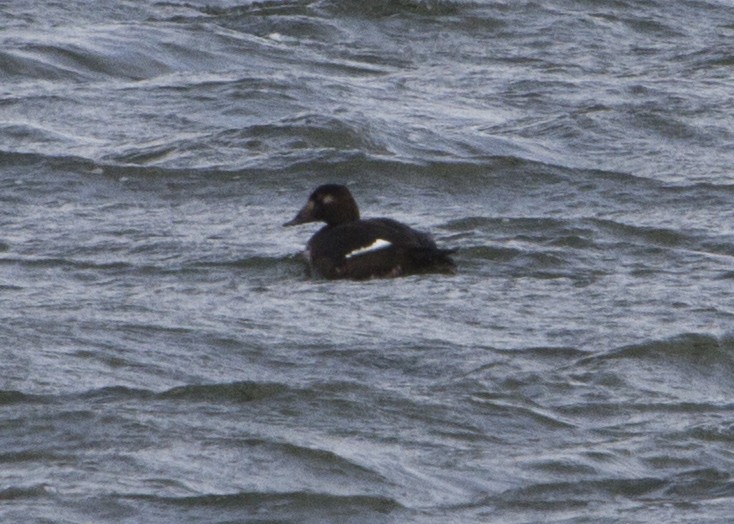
(327, 199)
(374, 246)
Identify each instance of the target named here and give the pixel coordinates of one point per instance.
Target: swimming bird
(351, 247)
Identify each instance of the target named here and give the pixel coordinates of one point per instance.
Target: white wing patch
(374, 246)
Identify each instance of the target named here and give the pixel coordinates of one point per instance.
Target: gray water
(164, 356)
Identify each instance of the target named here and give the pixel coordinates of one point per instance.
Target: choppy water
(165, 358)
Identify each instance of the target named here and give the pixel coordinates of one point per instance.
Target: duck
(350, 247)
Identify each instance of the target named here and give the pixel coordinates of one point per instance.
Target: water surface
(165, 357)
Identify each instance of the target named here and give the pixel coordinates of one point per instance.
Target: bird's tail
(433, 259)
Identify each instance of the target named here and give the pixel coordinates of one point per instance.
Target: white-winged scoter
(350, 247)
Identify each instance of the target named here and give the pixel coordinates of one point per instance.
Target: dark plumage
(349, 247)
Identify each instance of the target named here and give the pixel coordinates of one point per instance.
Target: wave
(555, 495)
(586, 233)
(685, 374)
(25, 492)
(685, 487)
(647, 235)
(9, 397)
(121, 50)
(50, 262)
(696, 348)
(232, 392)
(264, 8)
(292, 506)
(391, 8)
(130, 263)
(30, 158)
(67, 56)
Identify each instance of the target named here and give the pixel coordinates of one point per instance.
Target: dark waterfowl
(350, 247)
